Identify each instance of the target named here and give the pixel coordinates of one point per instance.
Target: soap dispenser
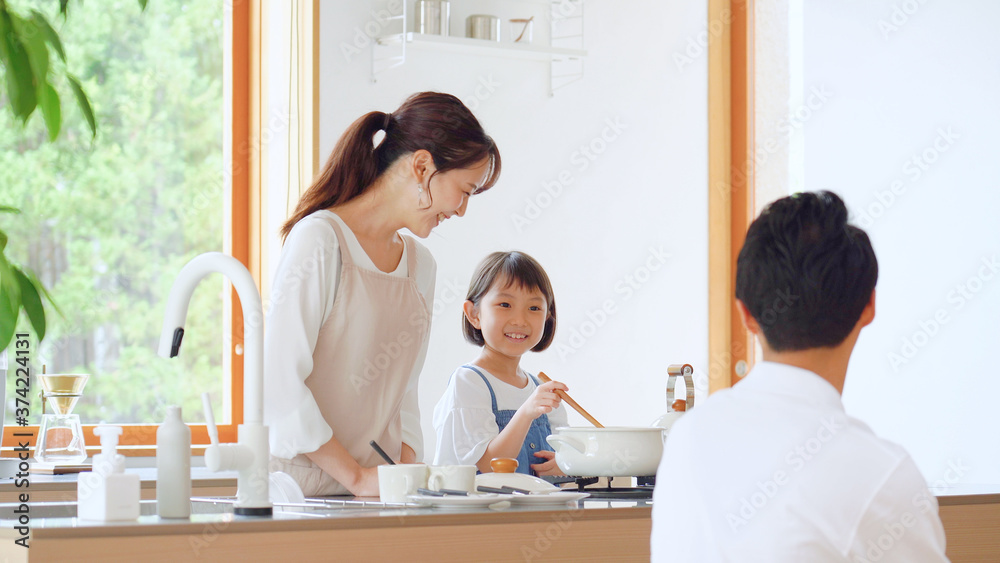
(173, 466)
(108, 493)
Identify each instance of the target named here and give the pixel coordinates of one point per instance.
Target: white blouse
(302, 296)
(464, 419)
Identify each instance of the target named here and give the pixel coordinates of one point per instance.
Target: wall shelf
(481, 47)
(565, 53)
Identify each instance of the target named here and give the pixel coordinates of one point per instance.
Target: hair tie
(386, 121)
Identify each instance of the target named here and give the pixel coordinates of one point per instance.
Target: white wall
(908, 138)
(646, 190)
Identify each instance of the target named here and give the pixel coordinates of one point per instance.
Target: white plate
(556, 498)
(458, 501)
(518, 480)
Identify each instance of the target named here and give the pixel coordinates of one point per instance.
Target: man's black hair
(804, 274)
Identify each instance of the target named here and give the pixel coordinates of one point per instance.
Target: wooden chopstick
(569, 401)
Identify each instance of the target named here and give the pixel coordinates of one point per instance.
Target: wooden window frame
(731, 184)
(246, 216)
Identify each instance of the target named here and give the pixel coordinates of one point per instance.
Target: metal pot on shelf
(433, 17)
(481, 26)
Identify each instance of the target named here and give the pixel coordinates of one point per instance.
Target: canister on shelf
(480, 26)
(433, 17)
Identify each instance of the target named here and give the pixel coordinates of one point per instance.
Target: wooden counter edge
(153, 526)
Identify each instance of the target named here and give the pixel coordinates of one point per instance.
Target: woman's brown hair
(432, 121)
(510, 268)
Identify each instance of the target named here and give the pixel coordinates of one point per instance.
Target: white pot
(608, 452)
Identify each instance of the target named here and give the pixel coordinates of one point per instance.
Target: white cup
(455, 477)
(396, 482)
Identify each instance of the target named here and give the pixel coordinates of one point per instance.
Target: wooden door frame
(731, 185)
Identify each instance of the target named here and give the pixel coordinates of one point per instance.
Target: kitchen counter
(586, 530)
(597, 530)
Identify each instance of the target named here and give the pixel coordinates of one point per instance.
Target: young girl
(492, 408)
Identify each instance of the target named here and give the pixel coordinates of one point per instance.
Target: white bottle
(173, 466)
(107, 492)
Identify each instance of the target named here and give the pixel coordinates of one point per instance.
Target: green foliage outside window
(108, 220)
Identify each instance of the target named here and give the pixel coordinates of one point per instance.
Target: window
(107, 224)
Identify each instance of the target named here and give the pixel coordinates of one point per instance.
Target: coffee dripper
(60, 436)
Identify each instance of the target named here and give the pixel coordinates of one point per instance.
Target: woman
(349, 319)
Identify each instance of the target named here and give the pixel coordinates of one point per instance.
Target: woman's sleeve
(464, 421)
(413, 434)
(301, 300)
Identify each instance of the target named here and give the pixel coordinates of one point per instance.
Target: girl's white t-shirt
(464, 419)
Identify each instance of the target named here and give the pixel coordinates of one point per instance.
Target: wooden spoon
(569, 401)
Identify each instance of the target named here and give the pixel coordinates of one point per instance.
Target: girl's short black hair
(510, 268)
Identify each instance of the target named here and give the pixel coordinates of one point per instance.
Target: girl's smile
(511, 318)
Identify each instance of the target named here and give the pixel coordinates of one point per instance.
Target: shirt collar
(784, 379)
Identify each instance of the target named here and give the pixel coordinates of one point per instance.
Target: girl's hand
(548, 467)
(544, 400)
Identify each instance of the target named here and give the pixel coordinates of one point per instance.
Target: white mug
(396, 482)
(455, 477)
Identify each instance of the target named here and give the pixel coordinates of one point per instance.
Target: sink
(68, 509)
(210, 505)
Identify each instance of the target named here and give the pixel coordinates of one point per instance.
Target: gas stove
(642, 491)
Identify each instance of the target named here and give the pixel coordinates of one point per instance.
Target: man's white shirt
(774, 470)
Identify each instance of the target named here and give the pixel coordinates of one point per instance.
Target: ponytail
(431, 121)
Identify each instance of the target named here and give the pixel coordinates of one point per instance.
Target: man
(773, 469)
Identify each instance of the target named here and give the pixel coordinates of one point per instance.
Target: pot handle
(557, 441)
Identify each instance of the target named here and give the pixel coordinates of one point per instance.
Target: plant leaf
(142, 4)
(32, 303)
(9, 282)
(63, 4)
(34, 44)
(20, 80)
(8, 209)
(48, 101)
(48, 33)
(6, 276)
(45, 293)
(8, 317)
(3, 240)
(81, 99)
